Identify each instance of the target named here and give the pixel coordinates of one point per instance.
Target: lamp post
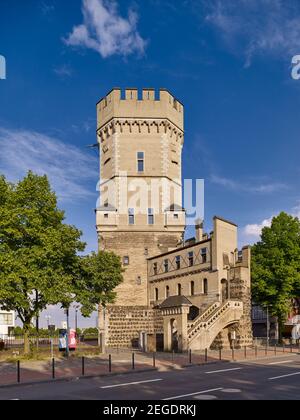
(48, 317)
(67, 335)
(76, 307)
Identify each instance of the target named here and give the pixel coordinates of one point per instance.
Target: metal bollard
(53, 368)
(109, 363)
(255, 351)
(245, 352)
(220, 354)
(154, 361)
(172, 356)
(275, 349)
(133, 362)
(233, 353)
(206, 356)
(18, 372)
(83, 366)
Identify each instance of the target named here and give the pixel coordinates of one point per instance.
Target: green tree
(276, 267)
(38, 251)
(101, 274)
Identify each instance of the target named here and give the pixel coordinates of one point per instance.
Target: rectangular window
(6, 319)
(126, 260)
(191, 258)
(178, 262)
(131, 216)
(150, 217)
(166, 265)
(204, 255)
(155, 269)
(175, 216)
(141, 161)
(106, 216)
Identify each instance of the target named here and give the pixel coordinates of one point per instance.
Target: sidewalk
(121, 362)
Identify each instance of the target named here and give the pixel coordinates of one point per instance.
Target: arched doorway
(224, 290)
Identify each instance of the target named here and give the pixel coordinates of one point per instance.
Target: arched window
(167, 291)
(156, 293)
(179, 289)
(205, 286)
(192, 288)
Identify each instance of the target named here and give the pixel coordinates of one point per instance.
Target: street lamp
(67, 335)
(48, 317)
(76, 307)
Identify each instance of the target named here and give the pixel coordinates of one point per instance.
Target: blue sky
(229, 62)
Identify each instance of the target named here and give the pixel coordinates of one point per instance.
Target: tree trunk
(26, 327)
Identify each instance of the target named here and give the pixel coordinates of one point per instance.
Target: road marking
(280, 363)
(284, 376)
(130, 383)
(190, 395)
(223, 370)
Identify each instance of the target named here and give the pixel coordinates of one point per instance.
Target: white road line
(130, 383)
(190, 395)
(223, 370)
(284, 376)
(282, 362)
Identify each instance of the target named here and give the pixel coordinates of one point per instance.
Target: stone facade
(140, 142)
(125, 325)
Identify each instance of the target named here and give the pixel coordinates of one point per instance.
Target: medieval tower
(140, 213)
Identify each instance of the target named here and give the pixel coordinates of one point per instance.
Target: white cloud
(105, 31)
(63, 71)
(67, 167)
(247, 186)
(255, 229)
(258, 26)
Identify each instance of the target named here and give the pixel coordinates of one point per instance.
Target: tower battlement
(130, 103)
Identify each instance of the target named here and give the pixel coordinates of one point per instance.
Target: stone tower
(140, 210)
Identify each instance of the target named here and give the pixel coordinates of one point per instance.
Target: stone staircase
(204, 329)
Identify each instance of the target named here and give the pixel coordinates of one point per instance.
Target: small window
(178, 262)
(179, 289)
(131, 216)
(156, 293)
(192, 288)
(150, 217)
(141, 161)
(146, 252)
(205, 286)
(155, 269)
(166, 265)
(191, 258)
(176, 216)
(126, 260)
(106, 216)
(167, 291)
(204, 255)
(139, 280)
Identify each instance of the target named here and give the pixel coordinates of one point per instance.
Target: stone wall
(125, 323)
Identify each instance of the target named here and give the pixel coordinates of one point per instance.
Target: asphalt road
(272, 379)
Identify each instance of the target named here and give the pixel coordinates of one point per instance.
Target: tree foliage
(276, 266)
(38, 251)
(101, 274)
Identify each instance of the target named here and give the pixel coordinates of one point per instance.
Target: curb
(76, 378)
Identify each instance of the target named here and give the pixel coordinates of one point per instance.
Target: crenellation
(127, 104)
